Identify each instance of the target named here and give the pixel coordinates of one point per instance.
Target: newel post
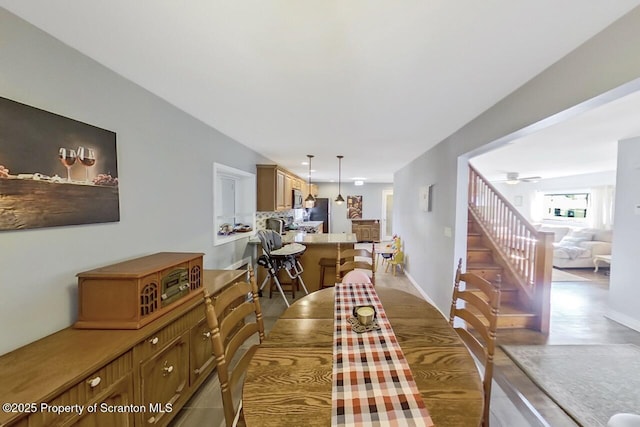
(543, 269)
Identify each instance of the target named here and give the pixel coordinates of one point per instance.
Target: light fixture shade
(339, 199)
(310, 201)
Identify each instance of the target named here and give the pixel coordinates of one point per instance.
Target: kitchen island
(319, 245)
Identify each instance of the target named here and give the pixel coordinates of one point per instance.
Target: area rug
(589, 382)
(564, 276)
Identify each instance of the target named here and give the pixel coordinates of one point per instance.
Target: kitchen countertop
(310, 223)
(318, 238)
(312, 238)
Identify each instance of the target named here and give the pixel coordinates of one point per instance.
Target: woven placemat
(356, 326)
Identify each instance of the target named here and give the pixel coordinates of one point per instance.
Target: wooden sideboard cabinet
(133, 377)
(366, 230)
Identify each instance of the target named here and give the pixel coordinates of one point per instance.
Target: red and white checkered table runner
(372, 381)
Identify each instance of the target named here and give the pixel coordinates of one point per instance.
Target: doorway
(386, 231)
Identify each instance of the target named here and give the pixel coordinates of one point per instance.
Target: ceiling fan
(514, 178)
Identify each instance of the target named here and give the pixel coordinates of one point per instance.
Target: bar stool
(326, 263)
(292, 286)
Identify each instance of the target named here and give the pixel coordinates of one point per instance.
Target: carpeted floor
(590, 382)
(558, 275)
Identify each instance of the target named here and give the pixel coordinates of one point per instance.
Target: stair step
(512, 317)
(485, 270)
(504, 287)
(508, 295)
(479, 254)
(474, 239)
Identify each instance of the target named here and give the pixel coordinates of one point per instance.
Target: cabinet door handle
(206, 335)
(93, 382)
(154, 340)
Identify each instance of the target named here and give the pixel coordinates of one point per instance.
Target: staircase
(514, 313)
(502, 246)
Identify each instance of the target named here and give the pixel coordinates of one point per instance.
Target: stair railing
(526, 252)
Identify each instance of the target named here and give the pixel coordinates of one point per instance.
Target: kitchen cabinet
(275, 188)
(154, 369)
(288, 192)
(366, 230)
(280, 189)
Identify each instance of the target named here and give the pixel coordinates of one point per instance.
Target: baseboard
(243, 264)
(419, 289)
(623, 319)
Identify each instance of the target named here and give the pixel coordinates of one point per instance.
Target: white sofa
(576, 247)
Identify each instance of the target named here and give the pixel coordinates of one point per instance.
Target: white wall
(624, 292)
(165, 165)
(602, 64)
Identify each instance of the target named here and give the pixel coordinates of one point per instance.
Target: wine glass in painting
(88, 158)
(68, 158)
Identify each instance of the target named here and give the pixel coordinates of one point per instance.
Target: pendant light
(339, 200)
(310, 201)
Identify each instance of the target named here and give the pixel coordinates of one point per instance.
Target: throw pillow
(581, 234)
(575, 237)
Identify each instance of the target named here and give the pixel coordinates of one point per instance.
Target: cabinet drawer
(157, 341)
(92, 389)
(164, 380)
(114, 409)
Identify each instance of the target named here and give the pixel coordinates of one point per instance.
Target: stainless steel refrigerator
(321, 212)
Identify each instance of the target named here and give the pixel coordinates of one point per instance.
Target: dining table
(290, 378)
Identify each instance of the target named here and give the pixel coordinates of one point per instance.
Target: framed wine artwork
(54, 171)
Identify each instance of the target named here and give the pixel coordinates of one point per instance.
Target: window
(234, 204)
(566, 206)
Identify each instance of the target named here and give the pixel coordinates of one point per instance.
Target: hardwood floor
(577, 318)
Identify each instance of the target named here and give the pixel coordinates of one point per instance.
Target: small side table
(598, 258)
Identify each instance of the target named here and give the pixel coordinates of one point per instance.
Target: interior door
(386, 228)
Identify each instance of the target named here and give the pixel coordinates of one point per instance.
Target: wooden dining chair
(356, 276)
(350, 259)
(234, 319)
(477, 306)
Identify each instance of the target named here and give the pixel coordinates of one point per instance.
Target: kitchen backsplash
(261, 217)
